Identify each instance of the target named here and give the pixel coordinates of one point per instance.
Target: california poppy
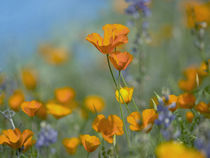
(109, 127)
(58, 110)
(29, 78)
(30, 107)
(16, 99)
(94, 103)
(189, 116)
(120, 60)
(90, 143)
(17, 140)
(64, 94)
(186, 100)
(114, 35)
(71, 144)
(125, 95)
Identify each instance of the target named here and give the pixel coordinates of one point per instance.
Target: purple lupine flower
(138, 5)
(46, 137)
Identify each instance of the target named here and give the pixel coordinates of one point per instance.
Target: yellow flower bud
(125, 95)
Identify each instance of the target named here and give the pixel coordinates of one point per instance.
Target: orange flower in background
(134, 119)
(197, 12)
(148, 118)
(31, 107)
(204, 68)
(2, 96)
(65, 94)
(109, 127)
(53, 55)
(57, 110)
(114, 35)
(42, 112)
(16, 99)
(176, 150)
(71, 144)
(186, 101)
(190, 82)
(94, 103)
(170, 99)
(121, 60)
(125, 95)
(17, 140)
(189, 116)
(29, 78)
(203, 108)
(90, 143)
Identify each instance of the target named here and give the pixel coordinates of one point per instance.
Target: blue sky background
(23, 23)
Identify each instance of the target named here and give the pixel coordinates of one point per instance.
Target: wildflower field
(105, 79)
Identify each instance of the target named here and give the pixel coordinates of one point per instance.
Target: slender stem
(110, 69)
(121, 111)
(133, 100)
(88, 155)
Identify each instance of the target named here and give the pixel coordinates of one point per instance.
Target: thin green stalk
(133, 100)
(121, 111)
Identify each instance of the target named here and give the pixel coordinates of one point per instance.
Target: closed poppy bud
(90, 143)
(134, 119)
(186, 101)
(17, 140)
(15, 100)
(125, 95)
(30, 107)
(65, 94)
(57, 110)
(121, 60)
(203, 69)
(71, 144)
(29, 78)
(189, 116)
(114, 35)
(176, 150)
(94, 103)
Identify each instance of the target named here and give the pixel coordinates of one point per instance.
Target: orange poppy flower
(71, 144)
(53, 55)
(134, 119)
(114, 35)
(2, 96)
(65, 94)
(172, 99)
(148, 118)
(186, 101)
(109, 127)
(57, 110)
(29, 78)
(90, 143)
(16, 140)
(203, 108)
(121, 60)
(42, 112)
(176, 150)
(125, 95)
(16, 99)
(145, 123)
(189, 116)
(94, 103)
(30, 107)
(204, 68)
(197, 12)
(190, 82)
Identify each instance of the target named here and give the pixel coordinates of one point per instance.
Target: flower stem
(121, 111)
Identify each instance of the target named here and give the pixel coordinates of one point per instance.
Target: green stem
(88, 155)
(133, 100)
(121, 111)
